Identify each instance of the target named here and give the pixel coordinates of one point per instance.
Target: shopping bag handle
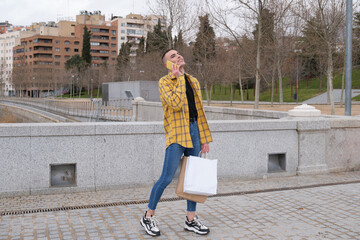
(199, 155)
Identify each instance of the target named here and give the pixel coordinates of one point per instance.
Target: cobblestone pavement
(326, 212)
(142, 193)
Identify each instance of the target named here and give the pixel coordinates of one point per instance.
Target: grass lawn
(306, 90)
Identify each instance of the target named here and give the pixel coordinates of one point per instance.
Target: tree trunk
(273, 82)
(240, 81)
(330, 69)
(231, 93)
(342, 87)
(257, 74)
(207, 93)
(281, 98)
(98, 90)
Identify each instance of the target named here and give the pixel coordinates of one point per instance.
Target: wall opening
(277, 162)
(62, 175)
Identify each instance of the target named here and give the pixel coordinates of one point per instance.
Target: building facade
(39, 61)
(134, 27)
(7, 42)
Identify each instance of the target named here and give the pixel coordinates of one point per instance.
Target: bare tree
(330, 15)
(253, 11)
(181, 15)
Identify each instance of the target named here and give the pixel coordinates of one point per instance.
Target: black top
(191, 100)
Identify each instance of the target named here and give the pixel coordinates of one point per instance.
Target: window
(113, 38)
(76, 42)
(113, 52)
(57, 56)
(122, 38)
(57, 49)
(67, 42)
(113, 45)
(94, 29)
(72, 34)
(57, 41)
(76, 50)
(102, 51)
(67, 49)
(95, 43)
(113, 32)
(57, 63)
(67, 57)
(122, 31)
(123, 24)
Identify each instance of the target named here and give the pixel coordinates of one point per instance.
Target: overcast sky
(25, 12)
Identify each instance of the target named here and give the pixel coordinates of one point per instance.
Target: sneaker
(196, 226)
(150, 225)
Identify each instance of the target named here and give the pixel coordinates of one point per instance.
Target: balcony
(38, 49)
(42, 56)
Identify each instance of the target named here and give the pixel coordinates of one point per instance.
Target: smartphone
(169, 65)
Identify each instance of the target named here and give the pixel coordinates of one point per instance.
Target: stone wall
(152, 111)
(113, 155)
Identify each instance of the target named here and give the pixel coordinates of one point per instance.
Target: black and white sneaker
(150, 225)
(196, 226)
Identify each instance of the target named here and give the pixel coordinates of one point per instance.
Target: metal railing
(93, 110)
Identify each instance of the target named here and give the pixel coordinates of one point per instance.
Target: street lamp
(72, 86)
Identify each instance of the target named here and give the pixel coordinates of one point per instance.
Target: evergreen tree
(156, 40)
(179, 42)
(312, 47)
(204, 48)
(141, 48)
(268, 33)
(123, 60)
(124, 53)
(86, 46)
(204, 51)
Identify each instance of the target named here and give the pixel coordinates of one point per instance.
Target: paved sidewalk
(322, 98)
(282, 208)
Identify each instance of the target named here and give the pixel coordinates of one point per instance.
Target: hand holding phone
(169, 65)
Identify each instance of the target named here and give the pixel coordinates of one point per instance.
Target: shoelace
(198, 222)
(153, 221)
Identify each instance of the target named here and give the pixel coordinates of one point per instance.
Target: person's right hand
(176, 70)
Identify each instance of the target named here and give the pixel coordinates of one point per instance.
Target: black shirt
(191, 100)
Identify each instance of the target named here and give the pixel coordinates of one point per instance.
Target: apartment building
(134, 27)
(7, 42)
(103, 42)
(4, 26)
(39, 61)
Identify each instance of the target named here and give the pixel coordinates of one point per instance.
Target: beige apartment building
(134, 27)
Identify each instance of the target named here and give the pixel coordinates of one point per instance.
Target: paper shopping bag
(200, 176)
(180, 186)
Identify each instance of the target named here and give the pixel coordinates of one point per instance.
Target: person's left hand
(205, 148)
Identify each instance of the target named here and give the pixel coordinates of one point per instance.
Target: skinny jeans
(172, 159)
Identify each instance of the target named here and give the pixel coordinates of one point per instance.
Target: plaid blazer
(176, 110)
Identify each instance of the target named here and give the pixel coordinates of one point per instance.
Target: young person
(186, 132)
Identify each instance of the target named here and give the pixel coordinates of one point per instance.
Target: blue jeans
(171, 162)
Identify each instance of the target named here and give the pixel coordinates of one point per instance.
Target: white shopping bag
(200, 176)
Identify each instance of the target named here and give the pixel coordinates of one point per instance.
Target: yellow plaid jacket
(176, 111)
